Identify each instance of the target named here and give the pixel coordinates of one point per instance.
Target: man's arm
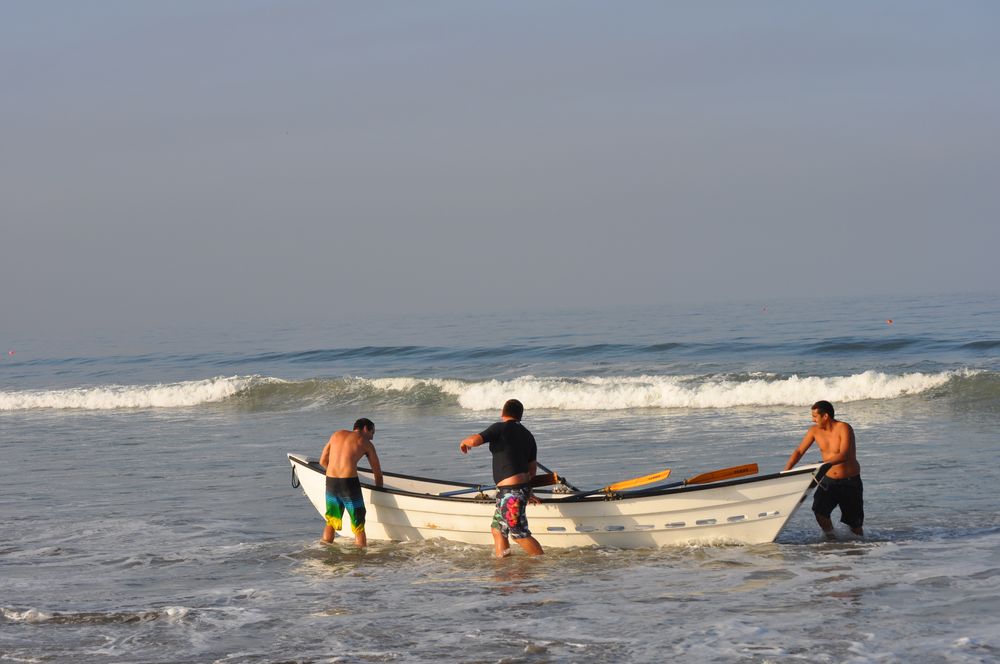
(807, 440)
(324, 458)
(475, 440)
(374, 462)
(532, 471)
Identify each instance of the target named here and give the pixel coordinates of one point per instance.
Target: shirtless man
(514, 466)
(842, 484)
(343, 489)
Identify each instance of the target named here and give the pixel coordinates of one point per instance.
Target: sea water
(147, 512)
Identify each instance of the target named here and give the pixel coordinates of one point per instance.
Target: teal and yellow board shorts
(344, 494)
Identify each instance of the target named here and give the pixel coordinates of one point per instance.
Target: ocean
(147, 512)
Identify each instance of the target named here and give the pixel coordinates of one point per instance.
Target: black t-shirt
(513, 448)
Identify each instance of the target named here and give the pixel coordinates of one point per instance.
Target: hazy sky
(193, 160)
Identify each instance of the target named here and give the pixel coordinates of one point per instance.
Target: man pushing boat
(842, 485)
(514, 466)
(343, 489)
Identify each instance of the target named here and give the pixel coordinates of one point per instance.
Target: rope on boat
(295, 479)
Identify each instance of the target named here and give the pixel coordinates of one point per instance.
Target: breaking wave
(559, 393)
(629, 392)
(110, 397)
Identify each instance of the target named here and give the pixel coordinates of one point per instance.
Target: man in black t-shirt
(514, 466)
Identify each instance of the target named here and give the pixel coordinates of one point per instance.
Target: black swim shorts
(846, 493)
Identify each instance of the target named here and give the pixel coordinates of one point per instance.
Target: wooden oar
(564, 481)
(638, 481)
(546, 479)
(628, 484)
(537, 480)
(716, 475)
(704, 478)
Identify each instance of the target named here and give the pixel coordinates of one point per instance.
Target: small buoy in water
(10, 352)
(888, 321)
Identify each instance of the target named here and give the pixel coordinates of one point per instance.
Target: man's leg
(501, 546)
(827, 526)
(823, 503)
(355, 505)
(334, 511)
(358, 526)
(530, 545)
(519, 525)
(852, 508)
(333, 520)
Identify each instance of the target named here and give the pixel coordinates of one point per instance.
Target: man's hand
(470, 442)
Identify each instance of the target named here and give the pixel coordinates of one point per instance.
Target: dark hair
(824, 408)
(364, 423)
(513, 408)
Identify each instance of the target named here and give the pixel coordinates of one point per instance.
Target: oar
(638, 481)
(704, 478)
(562, 479)
(537, 480)
(716, 475)
(628, 484)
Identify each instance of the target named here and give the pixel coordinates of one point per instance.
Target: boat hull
(743, 511)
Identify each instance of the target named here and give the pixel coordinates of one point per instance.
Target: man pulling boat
(725, 505)
(842, 485)
(343, 489)
(515, 463)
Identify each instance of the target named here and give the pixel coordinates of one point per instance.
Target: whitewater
(558, 393)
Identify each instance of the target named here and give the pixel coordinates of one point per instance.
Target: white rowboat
(748, 510)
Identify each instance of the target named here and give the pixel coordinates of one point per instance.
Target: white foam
(175, 613)
(598, 393)
(27, 616)
(628, 392)
(108, 397)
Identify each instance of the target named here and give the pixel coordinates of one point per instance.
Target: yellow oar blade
(723, 474)
(638, 481)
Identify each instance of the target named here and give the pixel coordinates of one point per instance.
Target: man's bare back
(343, 490)
(343, 452)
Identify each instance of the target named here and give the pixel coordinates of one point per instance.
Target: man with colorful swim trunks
(842, 485)
(514, 466)
(343, 489)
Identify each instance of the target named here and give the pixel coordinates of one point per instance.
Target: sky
(249, 160)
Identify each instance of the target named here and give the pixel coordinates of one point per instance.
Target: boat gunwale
(818, 470)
